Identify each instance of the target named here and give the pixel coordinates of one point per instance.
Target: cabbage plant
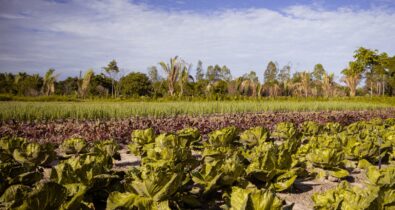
(254, 199)
(140, 140)
(254, 136)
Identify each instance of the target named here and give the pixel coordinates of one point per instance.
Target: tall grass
(28, 111)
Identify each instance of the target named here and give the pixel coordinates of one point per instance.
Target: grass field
(18, 110)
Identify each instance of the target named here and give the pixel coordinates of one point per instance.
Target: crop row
(101, 110)
(56, 131)
(228, 170)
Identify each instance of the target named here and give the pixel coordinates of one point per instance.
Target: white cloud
(83, 34)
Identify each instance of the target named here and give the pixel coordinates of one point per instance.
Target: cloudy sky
(74, 35)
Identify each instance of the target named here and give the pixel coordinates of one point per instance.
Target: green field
(117, 110)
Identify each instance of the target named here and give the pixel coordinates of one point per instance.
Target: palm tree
(49, 82)
(185, 77)
(327, 84)
(352, 76)
(305, 82)
(249, 84)
(17, 80)
(83, 85)
(172, 70)
(112, 70)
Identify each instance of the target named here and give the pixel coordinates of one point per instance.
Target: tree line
(376, 69)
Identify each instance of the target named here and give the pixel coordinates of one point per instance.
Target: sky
(75, 35)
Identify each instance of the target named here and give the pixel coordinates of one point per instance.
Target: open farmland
(317, 166)
(276, 154)
(197, 105)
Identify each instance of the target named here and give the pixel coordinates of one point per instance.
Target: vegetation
(13, 110)
(233, 169)
(376, 69)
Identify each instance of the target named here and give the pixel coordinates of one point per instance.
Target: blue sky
(74, 35)
(213, 5)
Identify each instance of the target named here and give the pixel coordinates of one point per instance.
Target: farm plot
(230, 169)
(57, 130)
(102, 110)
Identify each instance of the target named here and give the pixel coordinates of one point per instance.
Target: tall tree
(225, 74)
(382, 71)
(249, 84)
(199, 71)
(368, 59)
(318, 72)
(153, 74)
(173, 71)
(270, 73)
(352, 76)
(327, 84)
(49, 82)
(185, 77)
(390, 78)
(84, 83)
(6, 83)
(135, 84)
(305, 82)
(215, 73)
(69, 86)
(284, 77)
(270, 78)
(112, 70)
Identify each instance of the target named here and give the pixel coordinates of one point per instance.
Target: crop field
(255, 154)
(99, 110)
(320, 166)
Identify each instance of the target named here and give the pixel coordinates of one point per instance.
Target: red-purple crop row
(120, 130)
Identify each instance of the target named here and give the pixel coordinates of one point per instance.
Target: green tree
(48, 87)
(249, 84)
(328, 84)
(270, 73)
(153, 74)
(217, 88)
(136, 84)
(305, 82)
(301, 83)
(368, 59)
(7, 83)
(112, 70)
(284, 77)
(390, 75)
(270, 78)
(352, 76)
(185, 77)
(225, 74)
(318, 72)
(172, 70)
(317, 79)
(100, 85)
(199, 71)
(27, 85)
(84, 83)
(68, 86)
(215, 73)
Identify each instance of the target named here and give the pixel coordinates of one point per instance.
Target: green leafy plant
(254, 199)
(73, 146)
(254, 136)
(140, 140)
